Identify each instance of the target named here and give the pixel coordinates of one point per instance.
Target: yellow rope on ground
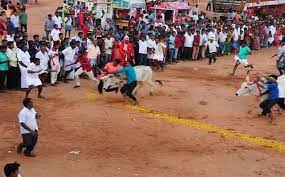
(212, 128)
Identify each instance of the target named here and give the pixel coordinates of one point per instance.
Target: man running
(128, 88)
(110, 68)
(241, 57)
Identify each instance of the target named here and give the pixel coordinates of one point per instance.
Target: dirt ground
(116, 141)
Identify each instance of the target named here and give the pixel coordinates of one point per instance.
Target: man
(49, 25)
(44, 60)
(150, 48)
(171, 46)
(84, 68)
(13, 75)
(28, 128)
(196, 43)
(24, 20)
(93, 54)
(280, 63)
(142, 51)
(109, 42)
(273, 98)
(15, 19)
(241, 57)
(35, 69)
(54, 63)
(188, 45)
(202, 44)
(128, 88)
(110, 68)
(213, 48)
(10, 30)
(69, 58)
(57, 20)
(12, 170)
(209, 5)
(222, 40)
(4, 67)
(24, 59)
(54, 34)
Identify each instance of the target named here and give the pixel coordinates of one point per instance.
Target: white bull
(249, 88)
(144, 76)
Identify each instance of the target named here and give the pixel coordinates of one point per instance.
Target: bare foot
(41, 97)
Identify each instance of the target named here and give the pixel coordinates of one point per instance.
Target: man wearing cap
(213, 48)
(128, 51)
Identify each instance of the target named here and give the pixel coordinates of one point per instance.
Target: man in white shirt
(109, 42)
(202, 44)
(13, 76)
(213, 48)
(69, 59)
(54, 34)
(28, 128)
(151, 44)
(188, 45)
(57, 20)
(35, 69)
(142, 51)
(15, 19)
(44, 59)
(93, 52)
(222, 40)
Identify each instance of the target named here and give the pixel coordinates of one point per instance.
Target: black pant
(100, 88)
(3, 75)
(24, 26)
(212, 56)
(209, 5)
(187, 53)
(13, 78)
(281, 103)
(29, 142)
(128, 90)
(267, 105)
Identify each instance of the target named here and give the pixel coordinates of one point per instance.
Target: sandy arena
(116, 140)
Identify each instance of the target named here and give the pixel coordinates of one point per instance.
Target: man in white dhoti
(34, 69)
(54, 63)
(24, 59)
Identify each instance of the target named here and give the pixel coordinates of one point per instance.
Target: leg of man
(90, 74)
(140, 59)
(28, 143)
(40, 89)
(77, 79)
(210, 58)
(53, 74)
(235, 67)
(2, 79)
(100, 87)
(281, 103)
(130, 90)
(204, 49)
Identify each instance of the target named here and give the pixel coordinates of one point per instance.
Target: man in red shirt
(196, 45)
(179, 41)
(84, 68)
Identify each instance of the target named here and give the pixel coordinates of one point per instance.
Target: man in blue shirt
(128, 88)
(273, 97)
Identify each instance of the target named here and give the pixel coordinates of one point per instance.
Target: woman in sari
(256, 41)
(228, 48)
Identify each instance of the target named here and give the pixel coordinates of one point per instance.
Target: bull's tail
(159, 81)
